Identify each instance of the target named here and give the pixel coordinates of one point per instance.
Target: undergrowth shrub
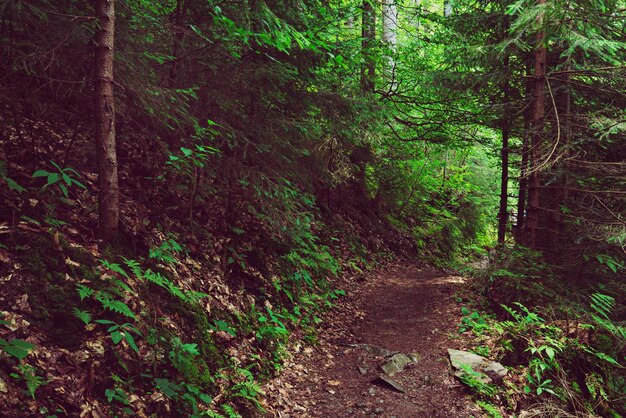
(569, 351)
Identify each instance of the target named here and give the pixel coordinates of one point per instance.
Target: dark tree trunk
(538, 122)
(108, 193)
(505, 123)
(178, 19)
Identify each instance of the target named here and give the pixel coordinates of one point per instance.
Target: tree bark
(447, 8)
(108, 193)
(368, 34)
(503, 214)
(178, 19)
(538, 122)
(390, 39)
(390, 24)
(523, 189)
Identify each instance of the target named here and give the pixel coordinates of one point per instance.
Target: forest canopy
(224, 164)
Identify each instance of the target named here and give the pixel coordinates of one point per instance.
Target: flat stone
(390, 383)
(395, 364)
(479, 364)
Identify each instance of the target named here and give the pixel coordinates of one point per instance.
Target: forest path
(401, 308)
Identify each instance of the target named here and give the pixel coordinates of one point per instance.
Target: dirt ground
(406, 309)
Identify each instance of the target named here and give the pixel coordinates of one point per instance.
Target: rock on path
(403, 309)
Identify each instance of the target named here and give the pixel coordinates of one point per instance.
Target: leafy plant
(472, 321)
(28, 374)
(166, 252)
(106, 299)
(121, 332)
(220, 325)
(63, 178)
(248, 388)
(16, 348)
(13, 185)
(181, 355)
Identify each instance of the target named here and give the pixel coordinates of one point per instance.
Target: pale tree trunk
(520, 225)
(390, 24)
(390, 38)
(108, 193)
(447, 8)
(538, 123)
(368, 35)
(523, 188)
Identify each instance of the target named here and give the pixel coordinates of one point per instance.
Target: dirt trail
(404, 309)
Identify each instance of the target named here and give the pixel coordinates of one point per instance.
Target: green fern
(82, 315)
(135, 267)
(114, 267)
(230, 411)
(28, 375)
(602, 304)
(84, 291)
(114, 305)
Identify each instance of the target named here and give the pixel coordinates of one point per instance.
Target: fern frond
(134, 266)
(602, 304)
(114, 305)
(82, 315)
(113, 267)
(84, 291)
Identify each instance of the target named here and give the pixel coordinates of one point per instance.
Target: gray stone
(479, 364)
(395, 364)
(363, 369)
(390, 383)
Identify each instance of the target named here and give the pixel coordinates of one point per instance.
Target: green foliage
(16, 348)
(247, 388)
(62, 178)
(107, 300)
(84, 316)
(490, 409)
(472, 321)
(181, 355)
(167, 252)
(12, 184)
(27, 373)
(189, 395)
(474, 380)
(121, 332)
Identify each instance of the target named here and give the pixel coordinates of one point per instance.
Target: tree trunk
(368, 34)
(523, 189)
(178, 19)
(447, 8)
(538, 122)
(390, 24)
(108, 193)
(503, 214)
(390, 39)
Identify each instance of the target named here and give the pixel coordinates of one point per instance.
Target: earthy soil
(403, 308)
